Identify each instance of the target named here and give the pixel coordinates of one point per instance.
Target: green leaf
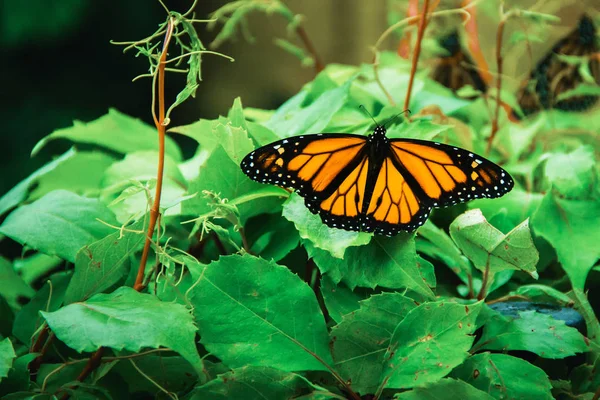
(566, 224)
(532, 331)
(310, 227)
(102, 264)
(7, 355)
(485, 245)
(339, 299)
(36, 266)
(435, 243)
(245, 318)
(292, 119)
(361, 339)
(254, 383)
(515, 206)
(583, 306)
(580, 90)
(68, 175)
(7, 318)
(18, 378)
(141, 166)
(505, 377)
(429, 342)
(114, 131)
(272, 237)
(19, 193)
(234, 140)
(538, 16)
(48, 298)
(573, 174)
(446, 389)
(126, 320)
(220, 175)
(542, 294)
(202, 132)
(60, 223)
(12, 287)
(386, 262)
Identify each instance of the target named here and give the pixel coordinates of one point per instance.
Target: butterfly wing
(329, 171)
(443, 175)
(394, 204)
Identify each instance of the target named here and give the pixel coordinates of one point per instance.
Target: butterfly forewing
(448, 175)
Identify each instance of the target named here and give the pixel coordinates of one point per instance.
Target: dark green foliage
(249, 295)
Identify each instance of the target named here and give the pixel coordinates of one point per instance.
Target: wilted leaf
(360, 341)
(245, 318)
(126, 320)
(429, 342)
(505, 377)
(485, 246)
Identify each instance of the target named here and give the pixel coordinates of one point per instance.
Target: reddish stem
(415, 60)
(499, 61)
(160, 126)
(301, 32)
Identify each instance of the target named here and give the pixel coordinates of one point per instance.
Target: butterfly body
(373, 183)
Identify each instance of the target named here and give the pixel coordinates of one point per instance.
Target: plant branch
(301, 32)
(93, 362)
(415, 59)
(499, 62)
(160, 126)
(485, 281)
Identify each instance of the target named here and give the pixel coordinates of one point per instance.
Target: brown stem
(35, 365)
(485, 281)
(499, 61)
(415, 60)
(94, 362)
(596, 394)
(471, 294)
(245, 243)
(160, 126)
(301, 32)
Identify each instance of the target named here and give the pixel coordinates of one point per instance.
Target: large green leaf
(445, 389)
(254, 312)
(310, 227)
(569, 226)
(505, 377)
(60, 223)
(486, 246)
(254, 383)
(126, 320)
(293, 119)
(429, 342)
(7, 355)
(532, 331)
(271, 236)
(386, 262)
(102, 264)
(361, 339)
(114, 131)
(12, 286)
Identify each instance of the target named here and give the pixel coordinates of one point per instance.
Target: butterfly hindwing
(446, 175)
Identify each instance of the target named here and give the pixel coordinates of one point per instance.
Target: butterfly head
(379, 130)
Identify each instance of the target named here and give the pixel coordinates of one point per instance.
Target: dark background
(58, 65)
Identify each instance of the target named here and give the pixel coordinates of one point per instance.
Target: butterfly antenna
(392, 119)
(368, 113)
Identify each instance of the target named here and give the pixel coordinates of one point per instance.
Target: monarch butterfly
(372, 183)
